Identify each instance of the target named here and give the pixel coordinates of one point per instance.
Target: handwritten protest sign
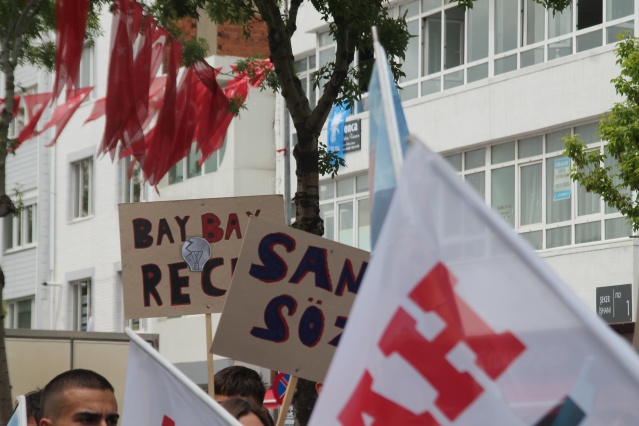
(289, 300)
(157, 280)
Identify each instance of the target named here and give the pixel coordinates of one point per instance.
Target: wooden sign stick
(209, 355)
(288, 397)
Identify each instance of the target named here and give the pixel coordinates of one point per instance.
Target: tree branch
(291, 22)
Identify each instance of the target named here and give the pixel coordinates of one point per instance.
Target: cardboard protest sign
(165, 271)
(289, 300)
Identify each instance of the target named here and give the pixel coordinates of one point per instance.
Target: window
(20, 230)
(345, 209)
(527, 183)
(85, 77)
(190, 167)
(19, 313)
(81, 305)
(305, 67)
(82, 187)
(133, 190)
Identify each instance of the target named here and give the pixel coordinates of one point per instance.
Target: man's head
(79, 397)
(238, 381)
(33, 407)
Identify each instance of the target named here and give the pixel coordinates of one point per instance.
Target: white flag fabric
(19, 416)
(459, 322)
(158, 394)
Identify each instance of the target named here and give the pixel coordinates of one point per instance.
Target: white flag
(19, 416)
(158, 394)
(459, 322)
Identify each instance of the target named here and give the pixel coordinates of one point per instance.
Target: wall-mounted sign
(562, 180)
(614, 303)
(352, 136)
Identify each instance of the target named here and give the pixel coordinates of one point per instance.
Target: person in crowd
(33, 407)
(239, 381)
(244, 382)
(246, 411)
(304, 400)
(79, 397)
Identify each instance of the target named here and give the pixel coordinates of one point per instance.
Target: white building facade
(494, 89)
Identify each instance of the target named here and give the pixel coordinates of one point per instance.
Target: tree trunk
(6, 402)
(306, 198)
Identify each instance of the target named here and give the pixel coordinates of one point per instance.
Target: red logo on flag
(456, 390)
(167, 421)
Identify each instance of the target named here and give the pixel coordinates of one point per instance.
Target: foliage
(614, 174)
(329, 161)
(554, 5)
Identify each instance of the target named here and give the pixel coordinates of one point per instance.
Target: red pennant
(36, 104)
(71, 19)
(63, 113)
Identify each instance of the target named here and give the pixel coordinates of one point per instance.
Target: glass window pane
(535, 17)
(613, 32)
(176, 174)
(86, 182)
(506, 17)
(409, 92)
(454, 38)
(325, 38)
(530, 147)
(588, 133)
(531, 57)
(475, 158)
(326, 191)
(589, 41)
(455, 161)
(616, 9)
(312, 62)
(587, 202)
(210, 165)
(411, 59)
(559, 23)
(345, 187)
(503, 193)
(478, 72)
(454, 79)
(30, 224)
(478, 31)
(589, 13)
(507, 64)
(193, 168)
(410, 9)
(431, 86)
(611, 162)
(535, 239)
(530, 194)
(430, 5)
(617, 228)
(300, 65)
(362, 183)
(433, 43)
(363, 224)
(558, 237)
(327, 213)
(345, 225)
(560, 49)
(24, 314)
(558, 206)
(478, 182)
(587, 232)
(502, 153)
(554, 140)
(8, 232)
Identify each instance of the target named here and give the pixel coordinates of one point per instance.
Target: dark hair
(303, 401)
(71, 379)
(240, 407)
(241, 381)
(33, 404)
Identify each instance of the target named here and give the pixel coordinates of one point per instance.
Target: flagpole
(209, 355)
(172, 369)
(388, 105)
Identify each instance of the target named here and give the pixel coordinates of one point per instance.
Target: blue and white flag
(335, 140)
(388, 133)
(458, 322)
(19, 417)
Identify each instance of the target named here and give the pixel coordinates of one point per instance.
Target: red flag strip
(36, 104)
(71, 19)
(119, 103)
(213, 116)
(63, 113)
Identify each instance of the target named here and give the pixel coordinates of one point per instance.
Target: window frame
(12, 318)
(16, 226)
(77, 189)
(80, 321)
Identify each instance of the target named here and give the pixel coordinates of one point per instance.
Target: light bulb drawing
(195, 252)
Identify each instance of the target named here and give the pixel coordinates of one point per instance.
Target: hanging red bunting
(36, 104)
(71, 20)
(63, 113)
